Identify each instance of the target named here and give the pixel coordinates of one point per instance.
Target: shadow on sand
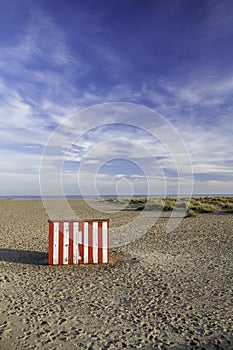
(23, 256)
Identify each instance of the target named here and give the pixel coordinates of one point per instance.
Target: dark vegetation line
(195, 206)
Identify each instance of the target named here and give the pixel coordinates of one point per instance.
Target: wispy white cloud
(40, 89)
(19, 162)
(30, 86)
(200, 139)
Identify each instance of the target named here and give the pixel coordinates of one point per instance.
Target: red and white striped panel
(78, 242)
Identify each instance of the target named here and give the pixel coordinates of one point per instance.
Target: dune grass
(195, 206)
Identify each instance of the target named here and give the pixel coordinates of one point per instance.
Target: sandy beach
(162, 291)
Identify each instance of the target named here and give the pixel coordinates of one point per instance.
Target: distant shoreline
(34, 197)
(191, 205)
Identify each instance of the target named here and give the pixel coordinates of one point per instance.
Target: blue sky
(60, 57)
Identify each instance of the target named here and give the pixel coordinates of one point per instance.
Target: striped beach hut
(78, 242)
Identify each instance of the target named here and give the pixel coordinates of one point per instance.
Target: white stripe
(80, 237)
(55, 242)
(105, 241)
(95, 242)
(85, 243)
(66, 243)
(75, 243)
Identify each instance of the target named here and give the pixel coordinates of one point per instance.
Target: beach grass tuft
(195, 206)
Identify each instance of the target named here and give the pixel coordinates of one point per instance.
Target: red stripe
(71, 243)
(90, 242)
(100, 243)
(50, 255)
(81, 248)
(108, 249)
(61, 243)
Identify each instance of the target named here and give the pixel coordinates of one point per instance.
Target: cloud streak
(48, 73)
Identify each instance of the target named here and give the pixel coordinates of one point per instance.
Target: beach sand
(163, 291)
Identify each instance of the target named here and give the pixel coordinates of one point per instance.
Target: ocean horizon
(39, 197)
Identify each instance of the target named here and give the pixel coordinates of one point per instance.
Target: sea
(38, 197)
